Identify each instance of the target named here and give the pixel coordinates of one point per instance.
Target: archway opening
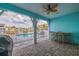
(42, 30)
(18, 26)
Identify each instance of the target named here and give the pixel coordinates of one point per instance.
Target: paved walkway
(47, 48)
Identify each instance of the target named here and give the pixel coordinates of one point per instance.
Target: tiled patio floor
(47, 48)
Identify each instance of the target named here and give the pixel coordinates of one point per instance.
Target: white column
(35, 30)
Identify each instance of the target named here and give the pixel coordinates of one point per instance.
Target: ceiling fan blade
(54, 9)
(45, 7)
(54, 5)
(49, 6)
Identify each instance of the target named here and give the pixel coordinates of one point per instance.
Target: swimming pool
(19, 38)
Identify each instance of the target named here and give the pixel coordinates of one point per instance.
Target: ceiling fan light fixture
(51, 8)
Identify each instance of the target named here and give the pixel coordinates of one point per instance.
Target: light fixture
(50, 8)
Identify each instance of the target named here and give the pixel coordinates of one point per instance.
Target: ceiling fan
(50, 8)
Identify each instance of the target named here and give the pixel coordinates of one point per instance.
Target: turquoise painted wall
(67, 23)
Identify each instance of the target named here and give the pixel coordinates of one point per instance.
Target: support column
(35, 30)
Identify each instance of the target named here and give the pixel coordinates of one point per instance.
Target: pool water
(23, 38)
(24, 35)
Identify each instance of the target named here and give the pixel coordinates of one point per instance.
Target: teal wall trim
(67, 23)
(20, 10)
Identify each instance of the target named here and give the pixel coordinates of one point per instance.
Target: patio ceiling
(63, 8)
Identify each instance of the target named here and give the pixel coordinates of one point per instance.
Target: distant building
(10, 30)
(2, 29)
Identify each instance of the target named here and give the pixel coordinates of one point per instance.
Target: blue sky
(16, 21)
